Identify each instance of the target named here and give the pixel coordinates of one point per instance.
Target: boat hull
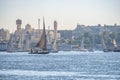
(111, 50)
(39, 52)
(54, 51)
(107, 50)
(116, 50)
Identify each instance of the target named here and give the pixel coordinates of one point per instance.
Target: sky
(67, 13)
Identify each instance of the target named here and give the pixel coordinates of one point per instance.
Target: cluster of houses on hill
(81, 38)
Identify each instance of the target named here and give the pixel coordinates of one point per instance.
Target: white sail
(103, 43)
(82, 43)
(114, 43)
(54, 46)
(55, 37)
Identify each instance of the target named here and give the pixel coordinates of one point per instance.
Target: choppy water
(60, 66)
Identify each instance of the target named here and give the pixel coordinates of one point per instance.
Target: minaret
(55, 36)
(55, 30)
(39, 24)
(38, 28)
(43, 23)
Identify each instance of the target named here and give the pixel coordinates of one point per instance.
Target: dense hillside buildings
(97, 35)
(90, 37)
(65, 34)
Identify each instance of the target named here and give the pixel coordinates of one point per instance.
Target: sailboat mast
(44, 33)
(42, 43)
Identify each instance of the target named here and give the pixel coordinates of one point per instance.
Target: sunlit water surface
(60, 66)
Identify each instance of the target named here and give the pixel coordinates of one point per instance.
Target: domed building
(28, 27)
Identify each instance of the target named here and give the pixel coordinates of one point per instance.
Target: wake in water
(54, 73)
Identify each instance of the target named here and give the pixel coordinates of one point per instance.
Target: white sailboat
(55, 50)
(82, 46)
(116, 47)
(114, 43)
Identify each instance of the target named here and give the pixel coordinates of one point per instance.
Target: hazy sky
(66, 12)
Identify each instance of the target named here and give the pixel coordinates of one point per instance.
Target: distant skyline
(67, 13)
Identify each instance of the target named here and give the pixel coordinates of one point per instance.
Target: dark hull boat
(39, 51)
(41, 45)
(112, 50)
(116, 50)
(108, 50)
(3, 46)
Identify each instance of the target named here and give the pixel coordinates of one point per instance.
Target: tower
(55, 30)
(55, 37)
(39, 24)
(19, 34)
(18, 23)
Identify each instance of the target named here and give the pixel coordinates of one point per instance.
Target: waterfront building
(4, 38)
(17, 38)
(27, 38)
(4, 35)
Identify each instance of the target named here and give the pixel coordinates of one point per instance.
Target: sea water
(69, 65)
